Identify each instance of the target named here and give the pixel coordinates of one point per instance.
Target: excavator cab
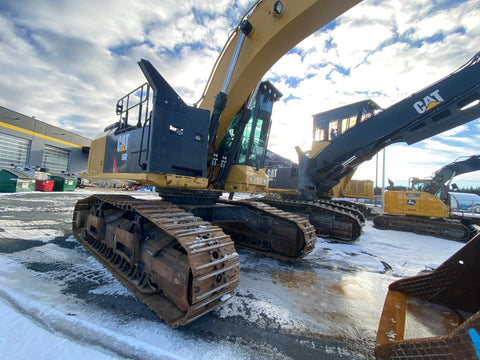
(255, 136)
(329, 125)
(244, 143)
(417, 184)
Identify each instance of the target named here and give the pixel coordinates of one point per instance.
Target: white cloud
(290, 65)
(455, 131)
(75, 59)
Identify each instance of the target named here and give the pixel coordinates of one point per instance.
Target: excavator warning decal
(429, 102)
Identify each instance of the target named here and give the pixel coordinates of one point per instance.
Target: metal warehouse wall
(40, 134)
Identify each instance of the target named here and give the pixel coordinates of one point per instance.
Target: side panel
(179, 142)
(97, 154)
(414, 203)
(245, 179)
(283, 178)
(122, 151)
(177, 145)
(170, 139)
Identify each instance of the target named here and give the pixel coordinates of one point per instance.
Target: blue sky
(67, 63)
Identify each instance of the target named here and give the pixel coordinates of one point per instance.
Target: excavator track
(443, 228)
(330, 219)
(354, 210)
(180, 266)
(273, 232)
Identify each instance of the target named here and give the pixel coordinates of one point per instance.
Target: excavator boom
(437, 108)
(273, 34)
(448, 172)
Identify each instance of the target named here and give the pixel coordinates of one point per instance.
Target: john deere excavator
(176, 254)
(425, 208)
(355, 134)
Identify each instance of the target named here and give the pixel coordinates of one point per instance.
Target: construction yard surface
(56, 301)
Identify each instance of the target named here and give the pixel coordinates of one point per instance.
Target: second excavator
(356, 133)
(425, 207)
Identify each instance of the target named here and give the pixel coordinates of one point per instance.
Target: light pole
(383, 180)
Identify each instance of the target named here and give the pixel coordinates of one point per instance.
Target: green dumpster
(16, 181)
(64, 182)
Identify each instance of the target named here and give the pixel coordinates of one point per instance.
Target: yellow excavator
(176, 254)
(347, 136)
(425, 207)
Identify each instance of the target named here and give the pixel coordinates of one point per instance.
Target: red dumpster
(44, 185)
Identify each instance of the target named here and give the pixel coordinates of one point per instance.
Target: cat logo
(429, 102)
(122, 143)
(271, 173)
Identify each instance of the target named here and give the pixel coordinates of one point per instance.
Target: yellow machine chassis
(161, 180)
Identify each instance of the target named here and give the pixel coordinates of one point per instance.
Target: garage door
(13, 150)
(56, 159)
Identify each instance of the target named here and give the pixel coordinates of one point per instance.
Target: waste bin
(44, 185)
(16, 181)
(64, 182)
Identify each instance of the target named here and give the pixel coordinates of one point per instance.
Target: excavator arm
(275, 28)
(448, 172)
(266, 32)
(437, 108)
